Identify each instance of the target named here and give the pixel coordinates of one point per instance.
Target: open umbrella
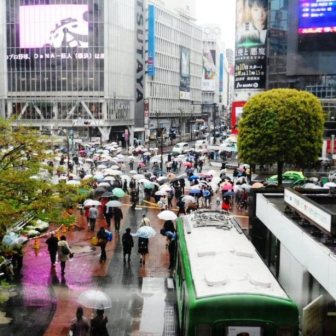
(195, 191)
(167, 215)
(193, 177)
(188, 199)
(114, 204)
(187, 164)
(118, 192)
(95, 299)
(257, 185)
(91, 202)
(107, 194)
(161, 193)
(149, 185)
(144, 232)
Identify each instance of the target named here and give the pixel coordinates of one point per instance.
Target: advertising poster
(251, 41)
(185, 74)
(209, 70)
(62, 44)
(221, 72)
(151, 41)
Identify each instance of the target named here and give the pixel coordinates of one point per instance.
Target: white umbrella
(161, 193)
(144, 180)
(165, 187)
(101, 166)
(133, 172)
(120, 156)
(139, 177)
(115, 167)
(144, 232)
(188, 199)
(104, 184)
(91, 202)
(114, 204)
(87, 176)
(114, 172)
(98, 176)
(95, 299)
(73, 182)
(109, 178)
(167, 215)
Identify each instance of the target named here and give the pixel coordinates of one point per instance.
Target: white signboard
(246, 331)
(309, 210)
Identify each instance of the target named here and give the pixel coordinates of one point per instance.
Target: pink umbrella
(141, 164)
(187, 164)
(227, 186)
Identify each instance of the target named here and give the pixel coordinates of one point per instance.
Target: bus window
(203, 330)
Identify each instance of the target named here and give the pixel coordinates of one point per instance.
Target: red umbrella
(187, 164)
(227, 186)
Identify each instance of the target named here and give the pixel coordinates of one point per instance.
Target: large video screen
(53, 26)
(317, 25)
(55, 45)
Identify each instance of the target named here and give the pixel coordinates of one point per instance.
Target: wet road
(142, 305)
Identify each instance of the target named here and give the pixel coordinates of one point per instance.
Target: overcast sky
(221, 12)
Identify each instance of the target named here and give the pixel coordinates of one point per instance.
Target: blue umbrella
(194, 177)
(195, 191)
(228, 193)
(144, 232)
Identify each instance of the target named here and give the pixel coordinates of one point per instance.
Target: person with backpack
(102, 241)
(64, 253)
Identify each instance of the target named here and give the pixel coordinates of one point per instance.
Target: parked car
(181, 148)
(201, 145)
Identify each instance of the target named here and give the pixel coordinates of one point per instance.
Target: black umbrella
(107, 194)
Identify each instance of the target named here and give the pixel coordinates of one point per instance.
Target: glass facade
(290, 67)
(55, 45)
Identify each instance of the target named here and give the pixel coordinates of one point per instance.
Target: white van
(181, 148)
(201, 146)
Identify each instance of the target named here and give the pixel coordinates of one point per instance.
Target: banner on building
(185, 73)
(140, 37)
(221, 72)
(209, 70)
(251, 34)
(151, 41)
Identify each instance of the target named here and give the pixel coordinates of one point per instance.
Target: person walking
(118, 216)
(80, 325)
(134, 198)
(127, 243)
(142, 249)
(52, 243)
(144, 221)
(98, 324)
(102, 241)
(171, 236)
(93, 214)
(64, 253)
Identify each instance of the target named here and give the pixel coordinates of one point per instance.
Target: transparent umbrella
(144, 232)
(95, 299)
(113, 204)
(167, 215)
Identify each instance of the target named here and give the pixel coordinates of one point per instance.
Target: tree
(282, 126)
(25, 186)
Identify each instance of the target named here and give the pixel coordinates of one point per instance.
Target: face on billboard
(53, 26)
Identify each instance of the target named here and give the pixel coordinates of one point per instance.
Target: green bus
(223, 287)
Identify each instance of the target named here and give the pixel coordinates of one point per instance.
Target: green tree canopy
(23, 189)
(281, 126)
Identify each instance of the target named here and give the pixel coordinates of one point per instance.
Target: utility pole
(159, 135)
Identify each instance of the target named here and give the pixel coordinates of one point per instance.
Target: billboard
(53, 26)
(317, 25)
(151, 41)
(209, 70)
(221, 72)
(55, 47)
(251, 40)
(185, 73)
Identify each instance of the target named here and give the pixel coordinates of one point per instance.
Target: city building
(78, 66)
(173, 74)
(293, 46)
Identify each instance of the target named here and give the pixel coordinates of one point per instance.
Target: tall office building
(74, 64)
(174, 71)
